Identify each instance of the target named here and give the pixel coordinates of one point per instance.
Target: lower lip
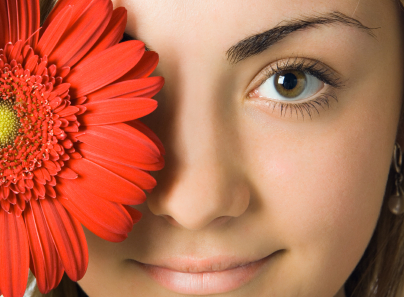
(205, 282)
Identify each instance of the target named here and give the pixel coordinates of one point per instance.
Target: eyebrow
(258, 43)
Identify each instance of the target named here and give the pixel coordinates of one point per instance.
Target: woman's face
(279, 145)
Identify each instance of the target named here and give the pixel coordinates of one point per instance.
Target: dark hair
(379, 273)
(46, 8)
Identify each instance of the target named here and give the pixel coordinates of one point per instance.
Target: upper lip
(198, 265)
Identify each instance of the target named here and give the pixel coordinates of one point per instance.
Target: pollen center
(9, 123)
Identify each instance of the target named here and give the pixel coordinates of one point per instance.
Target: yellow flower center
(9, 123)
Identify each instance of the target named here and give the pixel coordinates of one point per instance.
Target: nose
(202, 182)
(201, 195)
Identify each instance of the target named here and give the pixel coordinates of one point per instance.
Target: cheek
(320, 184)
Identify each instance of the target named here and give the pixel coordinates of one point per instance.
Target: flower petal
(134, 213)
(31, 63)
(67, 173)
(144, 68)
(95, 220)
(43, 253)
(112, 34)
(82, 35)
(23, 17)
(139, 177)
(4, 24)
(143, 87)
(20, 19)
(106, 219)
(104, 183)
(68, 236)
(79, 6)
(123, 139)
(13, 20)
(130, 160)
(116, 110)
(16, 51)
(14, 255)
(54, 32)
(138, 125)
(34, 20)
(98, 71)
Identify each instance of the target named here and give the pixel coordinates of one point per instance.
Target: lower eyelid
(297, 110)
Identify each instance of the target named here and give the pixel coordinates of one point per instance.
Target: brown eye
(290, 83)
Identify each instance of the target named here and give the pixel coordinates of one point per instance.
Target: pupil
(289, 81)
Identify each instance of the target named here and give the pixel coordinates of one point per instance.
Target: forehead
(225, 22)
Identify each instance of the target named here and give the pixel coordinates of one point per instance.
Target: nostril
(216, 222)
(171, 220)
(220, 221)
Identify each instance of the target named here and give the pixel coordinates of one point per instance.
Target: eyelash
(311, 67)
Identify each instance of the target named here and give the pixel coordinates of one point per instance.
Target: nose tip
(193, 207)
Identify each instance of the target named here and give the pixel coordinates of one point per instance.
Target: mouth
(213, 275)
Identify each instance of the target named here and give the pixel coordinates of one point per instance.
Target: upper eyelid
(307, 65)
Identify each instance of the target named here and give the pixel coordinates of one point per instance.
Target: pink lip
(208, 276)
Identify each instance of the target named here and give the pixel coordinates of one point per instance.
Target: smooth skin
(240, 178)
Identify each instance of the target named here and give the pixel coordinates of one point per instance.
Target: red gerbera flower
(66, 154)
